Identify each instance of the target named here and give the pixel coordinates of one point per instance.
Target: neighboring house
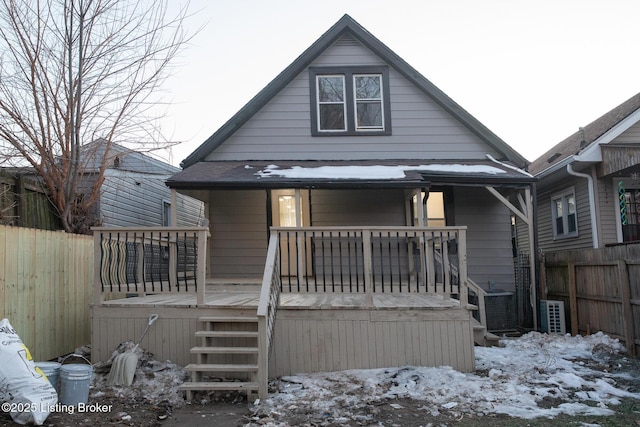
(134, 192)
(589, 184)
(365, 202)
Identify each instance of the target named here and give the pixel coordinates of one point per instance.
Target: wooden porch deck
(227, 297)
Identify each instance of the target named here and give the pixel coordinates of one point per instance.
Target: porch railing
(150, 260)
(366, 260)
(267, 309)
(373, 260)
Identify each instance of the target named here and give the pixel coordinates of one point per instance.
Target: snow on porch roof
(363, 173)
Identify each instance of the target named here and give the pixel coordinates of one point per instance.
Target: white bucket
(75, 381)
(52, 372)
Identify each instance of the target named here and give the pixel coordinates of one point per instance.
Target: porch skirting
(313, 339)
(340, 339)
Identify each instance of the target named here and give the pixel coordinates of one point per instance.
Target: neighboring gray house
(589, 184)
(134, 192)
(344, 115)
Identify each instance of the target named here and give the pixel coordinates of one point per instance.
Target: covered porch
(329, 299)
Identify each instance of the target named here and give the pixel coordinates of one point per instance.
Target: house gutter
(592, 204)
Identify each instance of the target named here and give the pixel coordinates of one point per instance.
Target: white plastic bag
(25, 391)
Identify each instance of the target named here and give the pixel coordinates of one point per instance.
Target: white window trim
(355, 103)
(565, 218)
(345, 96)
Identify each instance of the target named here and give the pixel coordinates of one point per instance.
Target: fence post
(627, 312)
(573, 300)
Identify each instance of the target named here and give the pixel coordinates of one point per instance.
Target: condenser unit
(552, 317)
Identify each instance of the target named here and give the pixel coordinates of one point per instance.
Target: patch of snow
(522, 374)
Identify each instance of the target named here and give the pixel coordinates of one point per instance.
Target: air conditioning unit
(552, 317)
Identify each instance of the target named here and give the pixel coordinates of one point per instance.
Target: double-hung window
(564, 214)
(350, 101)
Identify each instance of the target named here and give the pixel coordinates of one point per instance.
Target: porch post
(533, 257)
(299, 248)
(368, 269)
(201, 268)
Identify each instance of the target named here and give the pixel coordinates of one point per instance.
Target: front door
(290, 208)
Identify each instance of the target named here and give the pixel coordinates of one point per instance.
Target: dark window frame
(348, 73)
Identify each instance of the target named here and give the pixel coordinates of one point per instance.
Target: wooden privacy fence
(600, 289)
(46, 286)
(24, 202)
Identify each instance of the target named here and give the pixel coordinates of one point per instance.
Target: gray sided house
(589, 184)
(134, 192)
(347, 106)
(359, 218)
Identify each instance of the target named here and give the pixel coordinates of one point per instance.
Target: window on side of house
(349, 101)
(564, 214)
(166, 213)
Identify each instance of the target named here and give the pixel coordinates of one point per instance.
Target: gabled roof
(347, 25)
(585, 137)
(127, 159)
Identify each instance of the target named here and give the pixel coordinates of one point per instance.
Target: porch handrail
(481, 293)
(267, 309)
(146, 260)
(374, 259)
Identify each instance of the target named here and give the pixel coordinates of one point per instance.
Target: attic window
(349, 101)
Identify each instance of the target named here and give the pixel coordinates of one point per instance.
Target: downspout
(592, 203)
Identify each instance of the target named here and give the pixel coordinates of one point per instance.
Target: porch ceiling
(345, 174)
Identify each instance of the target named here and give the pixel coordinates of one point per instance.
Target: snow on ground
(514, 379)
(536, 375)
(155, 382)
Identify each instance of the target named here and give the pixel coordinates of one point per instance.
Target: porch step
(229, 346)
(227, 334)
(224, 350)
(484, 338)
(209, 367)
(219, 386)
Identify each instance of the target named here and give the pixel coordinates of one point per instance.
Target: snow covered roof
(364, 173)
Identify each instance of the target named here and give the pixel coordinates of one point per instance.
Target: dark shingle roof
(251, 174)
(585, 136)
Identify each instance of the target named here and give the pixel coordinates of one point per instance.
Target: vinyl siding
(489, 250)
(132, 199)
(631, 135)
(545, 227)
(608, 209)
(421, 129)
(238, 243)
(357, 207)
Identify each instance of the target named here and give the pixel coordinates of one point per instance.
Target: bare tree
(73, 72)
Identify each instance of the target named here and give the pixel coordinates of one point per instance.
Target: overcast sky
(531, 71)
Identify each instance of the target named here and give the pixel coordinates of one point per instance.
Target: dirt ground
(108, 407)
